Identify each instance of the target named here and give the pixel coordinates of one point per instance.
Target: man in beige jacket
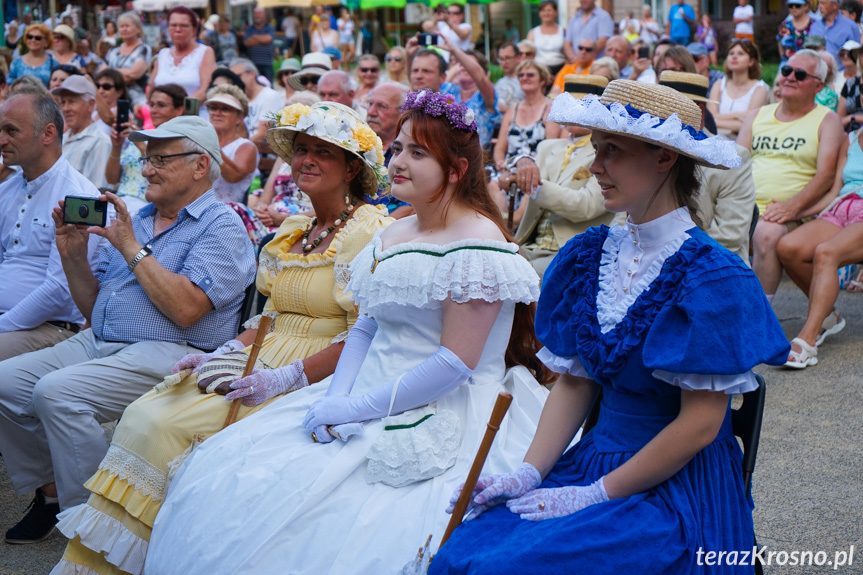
(568, 200)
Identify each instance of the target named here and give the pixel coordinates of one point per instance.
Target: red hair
(448, 145)
(186, 12)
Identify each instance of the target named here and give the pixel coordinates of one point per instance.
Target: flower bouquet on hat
(339, 125)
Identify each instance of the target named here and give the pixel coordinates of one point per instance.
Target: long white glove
(433, 378)
(352, 357)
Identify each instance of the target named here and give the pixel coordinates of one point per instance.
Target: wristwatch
(145, 251)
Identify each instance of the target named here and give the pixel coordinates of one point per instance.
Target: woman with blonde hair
(396, 62)
(64, 47)
(607, 67)
(38, 61)
(132, 57)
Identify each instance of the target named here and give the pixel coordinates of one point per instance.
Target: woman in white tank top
(548, 38)
(186, 63)
(740, 91)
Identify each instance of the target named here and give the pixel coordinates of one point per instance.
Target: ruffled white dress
(261, 497)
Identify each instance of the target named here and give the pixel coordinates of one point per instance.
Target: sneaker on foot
(37, 525)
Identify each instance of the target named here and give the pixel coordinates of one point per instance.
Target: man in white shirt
(37, 309)
(451, 24)
(263, 101)
(85, 146)
(508, 88)
(743, 16)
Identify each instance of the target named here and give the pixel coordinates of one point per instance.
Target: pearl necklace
(307, 247)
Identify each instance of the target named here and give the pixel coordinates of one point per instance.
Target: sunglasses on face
(106, 86)
(393, 58)
(309, 80)
(799, 73)
(587, 49)
(32, 37)
(455, 12)
(369, 70)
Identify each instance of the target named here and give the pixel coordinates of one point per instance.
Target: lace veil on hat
(648, 112)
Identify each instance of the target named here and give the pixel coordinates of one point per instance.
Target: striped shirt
(208, 244)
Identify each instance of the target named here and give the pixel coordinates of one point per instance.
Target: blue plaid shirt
(208, 244)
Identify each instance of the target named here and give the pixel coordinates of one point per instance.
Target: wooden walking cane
(497, 413)
(513, 190)
(263, 329)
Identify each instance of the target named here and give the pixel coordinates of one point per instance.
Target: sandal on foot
(808, 355)
(831, 325)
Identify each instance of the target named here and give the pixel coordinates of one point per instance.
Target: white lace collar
(661, 230)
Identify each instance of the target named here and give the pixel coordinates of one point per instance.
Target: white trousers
(52, 403)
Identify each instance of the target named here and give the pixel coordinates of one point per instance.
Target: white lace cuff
(340, 337)
(730, 384)
(557, 364)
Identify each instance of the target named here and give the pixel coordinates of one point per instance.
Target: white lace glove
(557, 501)
(352, 356)
(266, 383)
(433, 378)
(494, 489)
(195, 360)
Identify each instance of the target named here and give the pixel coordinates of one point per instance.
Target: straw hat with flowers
(336, 124)
(654, 114)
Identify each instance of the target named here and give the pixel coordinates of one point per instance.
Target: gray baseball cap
(77, 85)
(195, 128)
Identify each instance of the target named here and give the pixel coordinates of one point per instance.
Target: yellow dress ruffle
(112, 529)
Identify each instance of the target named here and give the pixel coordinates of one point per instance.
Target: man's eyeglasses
(454, 12)
(106, 86)
(799, 73)
(159, 161)
(393, 58)
(587, 49)
(32, 37)
(369, 70)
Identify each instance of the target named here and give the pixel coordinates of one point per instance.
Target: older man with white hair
(263, 101)
(85, 146)
(384, 109)
(337, 86)
(171, 284)
(794, 146)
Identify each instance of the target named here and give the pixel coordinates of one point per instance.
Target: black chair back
(746, 423)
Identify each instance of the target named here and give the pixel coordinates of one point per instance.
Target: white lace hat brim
(589, 112)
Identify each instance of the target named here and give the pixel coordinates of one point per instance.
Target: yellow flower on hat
(291, 114)
(365, 137)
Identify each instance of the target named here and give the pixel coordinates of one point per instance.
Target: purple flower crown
(438, 104)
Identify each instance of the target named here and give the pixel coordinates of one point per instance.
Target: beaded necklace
(307, 247)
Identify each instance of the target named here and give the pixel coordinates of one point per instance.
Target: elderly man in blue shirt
(836, 28)
(171, 283)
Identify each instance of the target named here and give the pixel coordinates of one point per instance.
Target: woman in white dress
(438, 297)
(548, 37)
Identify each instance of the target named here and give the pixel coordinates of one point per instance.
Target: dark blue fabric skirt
(703, 506)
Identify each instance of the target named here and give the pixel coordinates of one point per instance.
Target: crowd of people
(423, 238)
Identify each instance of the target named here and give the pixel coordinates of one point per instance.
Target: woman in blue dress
(668, 324)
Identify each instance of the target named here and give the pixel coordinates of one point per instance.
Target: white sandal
(831, 325)
(808, 355)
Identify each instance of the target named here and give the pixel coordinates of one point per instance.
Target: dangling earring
(347, 198)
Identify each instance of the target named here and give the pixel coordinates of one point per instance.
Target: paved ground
(808, 486)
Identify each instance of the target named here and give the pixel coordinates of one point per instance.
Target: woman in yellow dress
(304, 272)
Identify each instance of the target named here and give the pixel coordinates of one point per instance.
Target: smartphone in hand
(191, 106)
(122, 114)
(85, 211)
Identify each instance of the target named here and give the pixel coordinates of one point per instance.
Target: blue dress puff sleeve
(720, 324)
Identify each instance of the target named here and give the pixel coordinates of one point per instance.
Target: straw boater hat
(654, 114)
(314, 64)
(693, 86)
(336, 124)
(580, 85)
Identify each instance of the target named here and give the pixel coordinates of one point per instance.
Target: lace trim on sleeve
(136, 470)
(557, 364)
(423, 275)
(340, 337)
(255, 322)
(730, 384)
